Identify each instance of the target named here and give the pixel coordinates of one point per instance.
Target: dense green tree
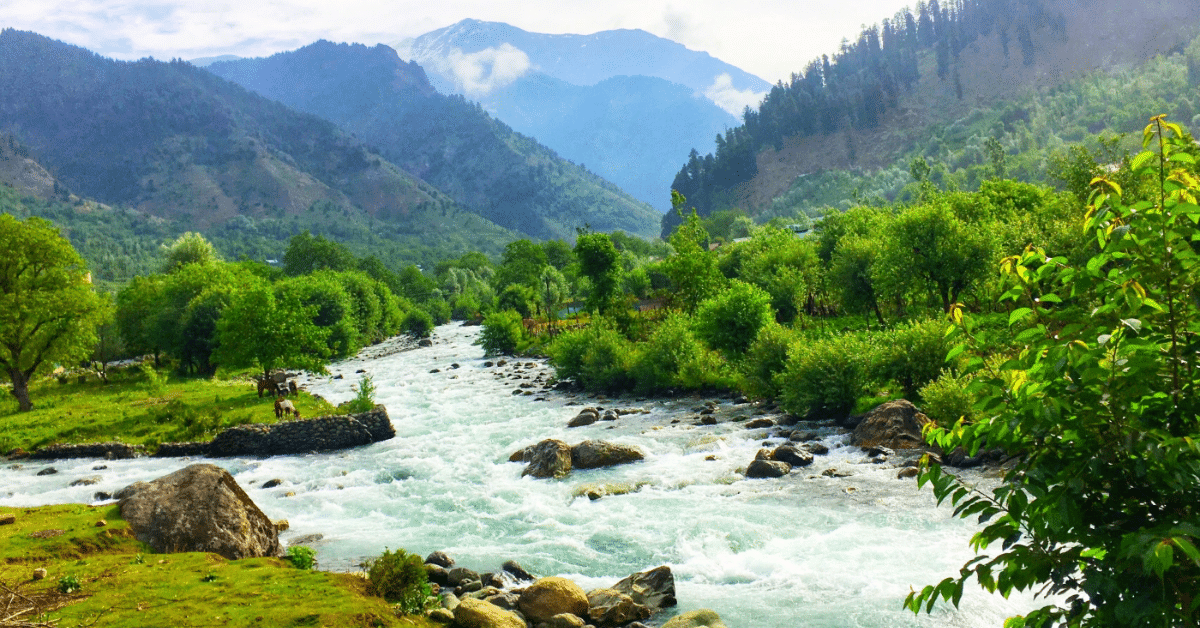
(307, 253)
(599, 261)
(692, 268)
(138, 307)
(522, 263)
(930, 244)
(48, 309)
(260, 329)
(730, 321)
(189, 248)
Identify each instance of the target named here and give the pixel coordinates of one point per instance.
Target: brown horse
(284, 407)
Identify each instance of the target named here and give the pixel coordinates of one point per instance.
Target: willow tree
(48, 309)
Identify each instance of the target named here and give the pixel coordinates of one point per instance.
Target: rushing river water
(804, 550)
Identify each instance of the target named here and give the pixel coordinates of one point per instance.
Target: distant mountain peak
(475, 58)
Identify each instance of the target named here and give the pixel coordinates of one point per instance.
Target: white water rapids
(804, 550)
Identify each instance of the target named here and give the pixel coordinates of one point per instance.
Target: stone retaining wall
(107, 451)
(258, 439)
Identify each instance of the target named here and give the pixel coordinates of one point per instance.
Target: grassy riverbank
(137, 407)
(121, 583)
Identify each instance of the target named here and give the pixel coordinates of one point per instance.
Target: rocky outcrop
(703, 618)
(610, 608)
(548, 459)
(199, 508)
(654, 589)
(552, 596)
(592, 454)
(761, 468)
(107, 451)
(472, 613)
(895, 425)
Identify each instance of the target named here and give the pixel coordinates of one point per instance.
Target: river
(803, 550)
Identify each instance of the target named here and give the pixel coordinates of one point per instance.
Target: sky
(769, 38)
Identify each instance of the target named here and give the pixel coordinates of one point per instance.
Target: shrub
(439, 311)
(729, 322)
(302, 557)
(598, 357)
(824, 378)
(945, 400)
(68, 585)
(399, 578)
(364, 396)
(418, 323)
(913, 355)
(503, 333)
(663, 357)
(765, 360)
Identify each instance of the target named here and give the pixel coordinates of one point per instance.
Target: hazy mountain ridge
(627, 103)
(481, 162)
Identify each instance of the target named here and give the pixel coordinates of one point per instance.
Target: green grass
(130, 409)
(124, 584)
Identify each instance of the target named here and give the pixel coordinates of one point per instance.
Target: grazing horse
(285, 407)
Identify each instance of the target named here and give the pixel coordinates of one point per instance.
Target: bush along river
(837, 543)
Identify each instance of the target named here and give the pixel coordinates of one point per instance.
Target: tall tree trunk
(21, 389)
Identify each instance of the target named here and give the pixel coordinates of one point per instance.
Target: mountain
(482, 163)
(625, 102)
(177, 142)
(937, 85)
(454, 54)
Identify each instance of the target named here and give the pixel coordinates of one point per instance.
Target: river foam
(803, 550)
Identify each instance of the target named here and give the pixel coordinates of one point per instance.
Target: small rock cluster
(553, 458)
(513, 598)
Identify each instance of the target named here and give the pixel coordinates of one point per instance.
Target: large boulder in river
(793, 456)
(592, 454)
(611, 608)
(548, 459)
(761, 468)
(895, 425)
(473, 613)
(552, 596)
(654, 589)
(199, 508)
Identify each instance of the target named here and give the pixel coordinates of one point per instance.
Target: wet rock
(514, 569)
(437, 574)
(448, 600)
(908, 472)
(563, 620)
(552, 596)
(654, 588)
(199, 508)
(708, 420)
(703, 618)
(791, 455)
(101, 496)
(440, 558)
(549, 459)
(506, 600)
(768, 469)
(592, 454)
(610, 608)
(587, 416)
(458, 575)
(441, 616)
(815, 448)
(895, 425)
(48, 471)
(272, 483)
(610, 415)
(760, 423)
(472, 613)
(88, 481)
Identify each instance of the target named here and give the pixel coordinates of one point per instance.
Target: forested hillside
(177, 143)
(446, 140)
(878, 101)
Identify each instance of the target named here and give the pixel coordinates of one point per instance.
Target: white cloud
(730, 99)
(479, 73)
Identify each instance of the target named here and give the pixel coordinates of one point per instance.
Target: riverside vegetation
(827, 325)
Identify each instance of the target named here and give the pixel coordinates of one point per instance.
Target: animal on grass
(284, 407)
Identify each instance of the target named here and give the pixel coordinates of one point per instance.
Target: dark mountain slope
(482, 163)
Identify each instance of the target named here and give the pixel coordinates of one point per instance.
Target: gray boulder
(768, 469)
(592, 454)
(549, 459)
(609, 608)
(895, 425)
(199, 508)
(791, 455)
(654, 589)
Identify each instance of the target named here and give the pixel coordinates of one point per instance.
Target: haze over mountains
(628, 104)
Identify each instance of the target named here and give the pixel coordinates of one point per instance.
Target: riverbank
(809, 548)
